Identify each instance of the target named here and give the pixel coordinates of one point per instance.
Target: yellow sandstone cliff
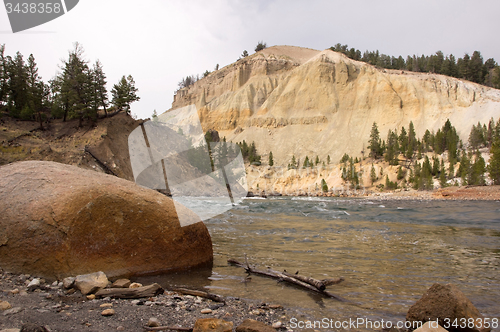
(298, 101)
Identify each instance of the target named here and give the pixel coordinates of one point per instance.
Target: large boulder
(59, 220)
(447, 305)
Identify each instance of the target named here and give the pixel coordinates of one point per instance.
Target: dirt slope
(103, 147)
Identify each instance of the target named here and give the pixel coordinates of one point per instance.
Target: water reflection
(390, 253)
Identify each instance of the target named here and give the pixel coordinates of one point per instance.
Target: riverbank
(58, 309)
(467, 193)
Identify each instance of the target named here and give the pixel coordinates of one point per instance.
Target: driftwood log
(210, 296)
(319, 284)
(131, 293)
(332, 281)
(290, 278)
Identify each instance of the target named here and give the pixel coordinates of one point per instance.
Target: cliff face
(296, 101)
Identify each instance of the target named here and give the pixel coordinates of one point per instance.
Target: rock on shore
(448, 305)
(59, 220)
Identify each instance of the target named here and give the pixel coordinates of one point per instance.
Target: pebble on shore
(108, 312)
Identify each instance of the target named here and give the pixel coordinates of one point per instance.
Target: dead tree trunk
(319, 284)
(288, 278)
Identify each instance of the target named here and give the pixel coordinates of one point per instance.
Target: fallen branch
(213, 297)
(332, 281)
(283, 277)
(131, 293)
(17, 137)
(99, 162)
(319, 284)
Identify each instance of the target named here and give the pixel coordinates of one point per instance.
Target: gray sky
(159, 42)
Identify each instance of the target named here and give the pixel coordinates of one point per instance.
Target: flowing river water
(389, 252)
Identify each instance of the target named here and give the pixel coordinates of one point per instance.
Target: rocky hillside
(103, 147)
(298, 101)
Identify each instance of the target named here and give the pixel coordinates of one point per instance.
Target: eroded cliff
(296, 101)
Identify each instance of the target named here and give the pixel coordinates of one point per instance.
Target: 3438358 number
(33, 8)
(471, 323)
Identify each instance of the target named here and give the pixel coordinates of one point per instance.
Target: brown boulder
(59, 220)
(446, 303)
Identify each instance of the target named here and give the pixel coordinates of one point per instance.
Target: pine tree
(389, 185)
(375, 143)
(271, 161)
(324, 186)
(76, 85)
(401, 174)
(344, 159)
(316, 162)
(477, 170)
(451, 170)
(476, 137)
(306, 162)
(373, 174)
(412, 141)
(17, 89)
(478, 71)
(442, 175)
(425, 181)
(328, 160)
(293, 163)
(490, 136)
(403, 141)
(494, 166)
(100, 91)
(435, 166)
(464, 67)
(392, 149)
(253, 157)
(426, 140)
(260, 46)
(463, 170)
(38, 91)
(124, 93)
(3, 76)
(244, 149)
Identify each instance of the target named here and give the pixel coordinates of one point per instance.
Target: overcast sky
(160, 41)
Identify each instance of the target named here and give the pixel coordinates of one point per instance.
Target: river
(389, 252)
